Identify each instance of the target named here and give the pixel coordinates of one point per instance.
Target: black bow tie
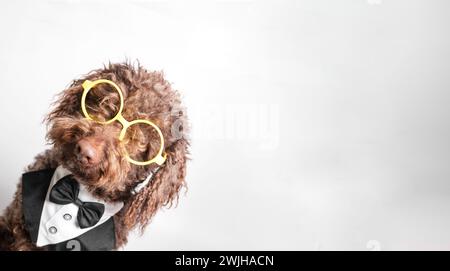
(66, 191)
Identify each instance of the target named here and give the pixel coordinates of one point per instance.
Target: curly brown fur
(147, 95)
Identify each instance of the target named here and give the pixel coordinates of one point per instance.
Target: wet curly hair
(147, 95)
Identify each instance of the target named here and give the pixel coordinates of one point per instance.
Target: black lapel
(34, 190)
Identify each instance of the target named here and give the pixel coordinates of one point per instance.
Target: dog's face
(93, 152)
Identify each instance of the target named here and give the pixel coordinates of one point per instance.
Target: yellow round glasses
(87, 85)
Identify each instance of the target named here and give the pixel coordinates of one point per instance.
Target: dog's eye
(103, 102)
(141, 142)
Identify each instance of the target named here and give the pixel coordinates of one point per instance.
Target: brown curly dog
(96, 157)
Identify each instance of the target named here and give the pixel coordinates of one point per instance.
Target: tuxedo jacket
(35, 187)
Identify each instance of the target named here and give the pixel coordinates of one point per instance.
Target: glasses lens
(141, 142)
(102, 102)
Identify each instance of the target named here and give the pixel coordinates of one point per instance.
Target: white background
(353, 93)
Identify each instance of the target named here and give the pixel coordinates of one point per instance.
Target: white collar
(55, 216)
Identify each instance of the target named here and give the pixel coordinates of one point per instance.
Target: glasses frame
(87, 85)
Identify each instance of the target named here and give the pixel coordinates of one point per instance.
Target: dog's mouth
(85, 157)
(84, 171)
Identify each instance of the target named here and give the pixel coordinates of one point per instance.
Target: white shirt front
(59, 222)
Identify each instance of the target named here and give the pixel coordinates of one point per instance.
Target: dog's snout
(88, 151)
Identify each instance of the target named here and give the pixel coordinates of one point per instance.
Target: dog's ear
(162, 190)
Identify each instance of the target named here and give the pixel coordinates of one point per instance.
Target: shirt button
(67, 217)
(52, 230)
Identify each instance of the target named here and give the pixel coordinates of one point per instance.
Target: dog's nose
(87, 152)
